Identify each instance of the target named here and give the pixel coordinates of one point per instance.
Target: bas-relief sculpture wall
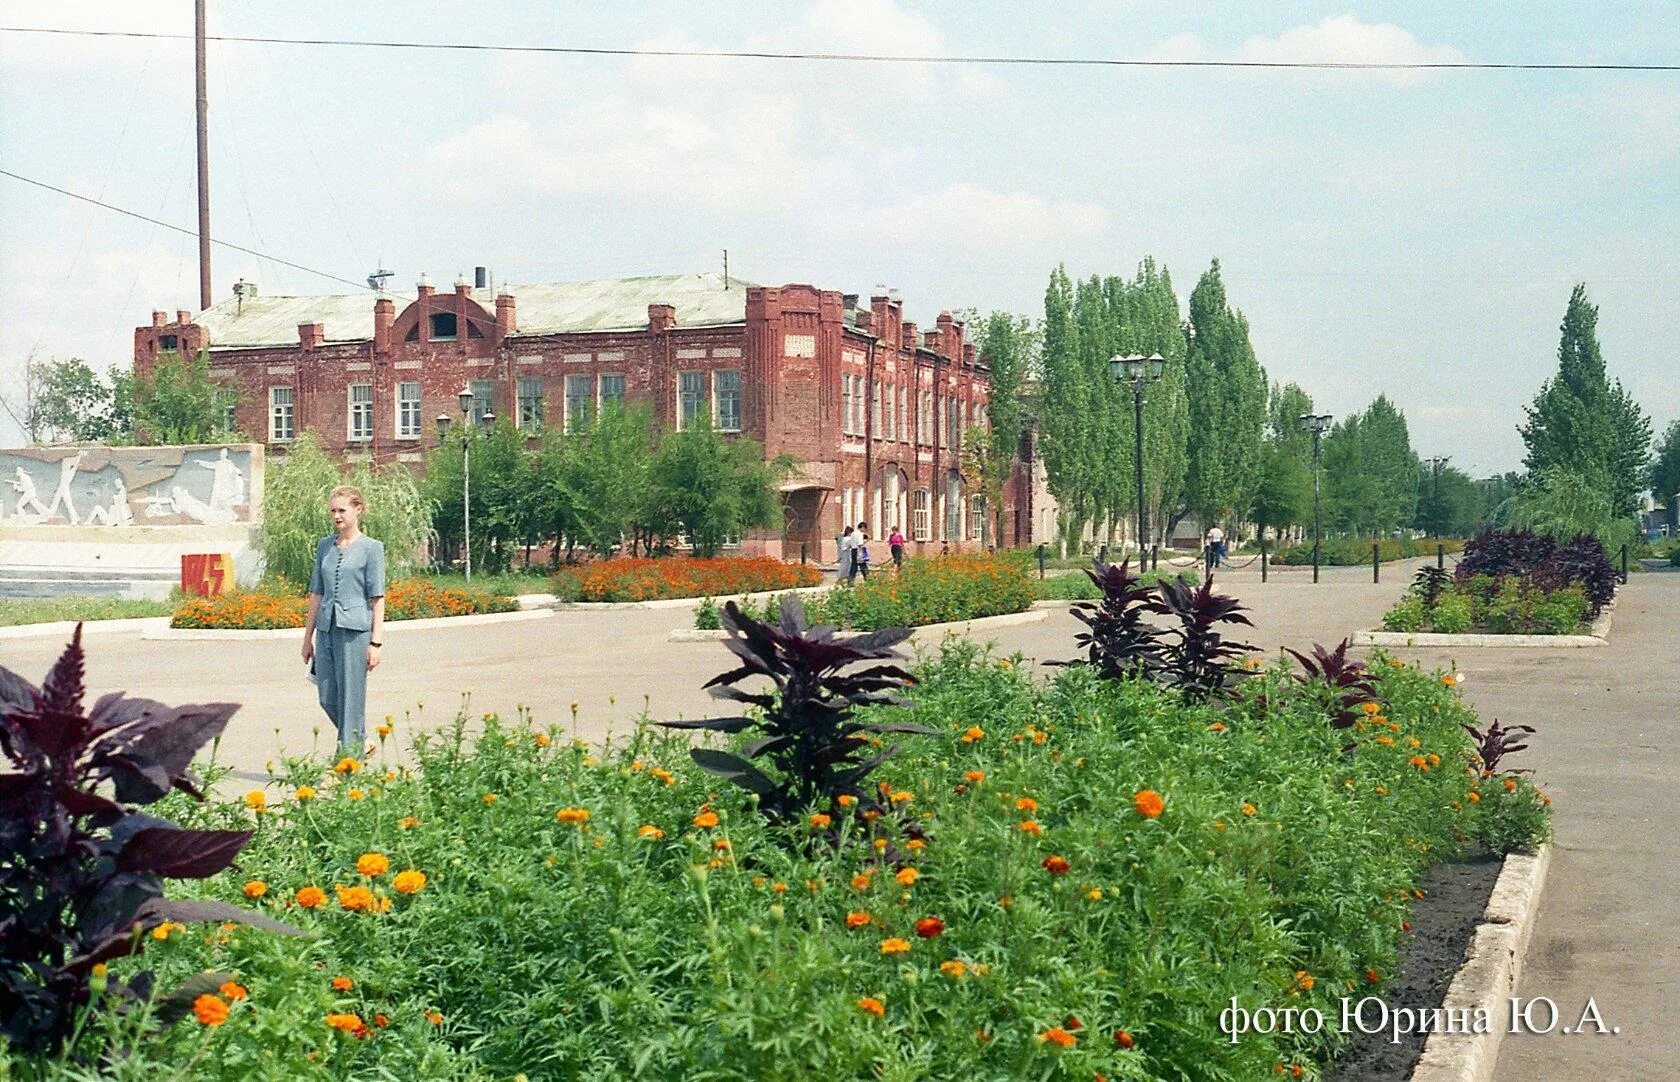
(131, 486)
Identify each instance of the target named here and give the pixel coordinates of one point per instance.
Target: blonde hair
(351, 493)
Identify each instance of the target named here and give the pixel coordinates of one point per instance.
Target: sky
(1415, 234)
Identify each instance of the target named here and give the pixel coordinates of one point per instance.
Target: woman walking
(343, 631)
(895, 542)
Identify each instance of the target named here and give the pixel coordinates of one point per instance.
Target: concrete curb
(167, 632)
(683, 602)
(1490, 974)
(67, 627)
(955, 627)
(1597, 635)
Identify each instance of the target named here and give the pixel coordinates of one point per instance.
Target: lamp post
(466, 400)
(1436, 465)
(1140, 372)
(1318, 424)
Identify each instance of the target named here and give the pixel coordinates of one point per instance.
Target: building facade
(873, 405)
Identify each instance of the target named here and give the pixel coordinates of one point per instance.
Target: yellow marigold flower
(590, 760)
(256, 800)
(953, 968)
(706, 820)
(915, 845)
(342, 984)
(1040, 736)
(974, 733)
(347, 765)
(373, 864)
(871, 1005)
(1249, 809)
(648, 830)
(860, 882)
(572, 815)
(232, 990)
(348, 1023)
(383, 731)
(1094, 894)
(1371, 708)
(1218, 825)
(1030, 826)
(857, 919)
(1149, 803)
(1414, 742)
(355, 899)
(1059, 1037)
(880, 845)
(819, 820)
(409, 882)
(907, 876)
(490, 798)
(356, 794)
(305, 792)
(256, 888)
(845, 800)
(895, 945)
(903, 796)
(1382, 790)
(1026, 804)
(408, 822)
(1386, 741)
(664, 775)
(310, 897)
(210, 1010)
(168, 928)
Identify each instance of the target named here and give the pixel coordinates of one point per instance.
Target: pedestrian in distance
(860, 555)
(895, 543)
(845, 569)
(343, 633)
(1215, 548)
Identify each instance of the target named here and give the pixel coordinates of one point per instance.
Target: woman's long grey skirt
(341, 678)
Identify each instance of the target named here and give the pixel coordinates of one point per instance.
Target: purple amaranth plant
(1196, 658)
(1118, 643)
(1497, 742)
(1350, 683)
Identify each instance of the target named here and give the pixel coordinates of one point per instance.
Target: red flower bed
(405, 599)
(634, 578)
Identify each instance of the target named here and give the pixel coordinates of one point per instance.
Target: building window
(845, 405)
(976, 517)
(360, 428)
(726, 397)
(903, 414)
(953, 423)
(443, 326)
(691, 391)
(921, 517)
(531, 404)
(408, 411)
(229, 422)
(953, 507)
(924, 418)
(875, 415)
(884, 421)
(483, 401)
(612, 390)
(580, 401)
(282, 426)
(166, 343)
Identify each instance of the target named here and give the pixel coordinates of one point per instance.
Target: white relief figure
(227, 485)
(185, 503)
(61, 495)
(28, 497)
(118, 514)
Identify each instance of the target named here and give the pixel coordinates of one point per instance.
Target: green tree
(713, 489)
(504, 503)
(1283, 493)
(1370, 472)
(179, 402)
(1665, 467)
(1227, 406)
(1008, 344)
(604, 477)
(1449, 503)
(1583, 422)
(1067, 438)
(69, 401)
(1150, 323)
(1565, 502)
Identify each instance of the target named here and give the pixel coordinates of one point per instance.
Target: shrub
(1452, 614)
(706, 616)
(932, 590)
(1353, 551)
(1350, 684)
(82, 870)
(1407, 616)
(281, 607)
(637, 578)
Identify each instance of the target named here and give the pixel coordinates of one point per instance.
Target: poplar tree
(1064, 424)
(1227, 404)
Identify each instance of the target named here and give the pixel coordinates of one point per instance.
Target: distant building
(873, 405)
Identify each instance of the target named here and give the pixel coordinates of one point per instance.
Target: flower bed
(1353, 551)
(642, 579)
(1074, 879)
(405, 599)
(932, 590)
(1510, 583)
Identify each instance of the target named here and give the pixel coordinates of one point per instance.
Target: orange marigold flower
(860, 882)
(1072, 1023)
(1218, 727)
(373, 864)
(870, 815)
(953, 968)
(1386, 741)
(383, 731)
(355, 794)
(1249, 809)
(895, 945)
(779, 888)
(1039, 736)
(409, 882)
(210, 1010)
(305, 792)
(648, 830)
(1149, 803)
(907, 876)
(347, 765)
(543, 740)
(1031, 826)
(871, 1005)
(1059, 1037)
(663, 775)
(706, 820)
(572, 815)
(342, 984)
(256, 888)
(490, 798)
(1371, 708)
(408, 822)
(819, 820)
(1372, 976)
(310, 897)
(974, 733)
(233, 990)
(857, 918)
(974, 776)
(1304, 980)
(1026, 804)
(256, 800)
(435, 1017)
(355, 899)
(1056, 865)
(845, 800)
(1434, 760)
(930, 927)
(348, 1023)
(1123, 1039)
(1474, 797)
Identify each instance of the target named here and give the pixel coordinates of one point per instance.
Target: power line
(873, 58)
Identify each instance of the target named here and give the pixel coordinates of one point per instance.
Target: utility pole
(1436, 465)
(203, 159)
(1318, 424)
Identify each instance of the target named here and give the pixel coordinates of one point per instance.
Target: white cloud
(965, 215)
(1179, 47)
(1344, 39)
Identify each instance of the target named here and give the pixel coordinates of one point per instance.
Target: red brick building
(872, 404)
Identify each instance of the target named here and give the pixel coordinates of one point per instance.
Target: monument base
(133, 562)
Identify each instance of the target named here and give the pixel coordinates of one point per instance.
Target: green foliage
(931, 590)
(1353, 551)
(295, 494)
(1453, 614)
(1583, 422)
(179, 402)
(711, 488)
(1370, 472)
(1228, 409)
(1009, 345)
(706, 616)
(68, 400)
(600, 476)
(1283, 491)
(535, 939)
(15, 611)
(1564, 502)
(1449, 503)
(1665, 467)
(1506, 606)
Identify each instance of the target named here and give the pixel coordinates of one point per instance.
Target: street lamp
(1436, 465)
(466, 399)
(1318, 424)
(1140, 372)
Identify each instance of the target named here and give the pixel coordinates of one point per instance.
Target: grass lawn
(14, 611)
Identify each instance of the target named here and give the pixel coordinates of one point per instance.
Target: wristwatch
(372, 643)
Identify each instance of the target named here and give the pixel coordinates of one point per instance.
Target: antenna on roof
(376, 281)
(726, 268)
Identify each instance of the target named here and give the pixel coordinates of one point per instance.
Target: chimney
(310, 334)
(937, 341)
(159, 319)
(424, 286)
(661, 318)
(481, 277)
(865, 318)
(183, 316)
(507, 317)
(907, 337)
(384, 314)
(462, 289)
(950, 335)
(970, 353)
(848, 301)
